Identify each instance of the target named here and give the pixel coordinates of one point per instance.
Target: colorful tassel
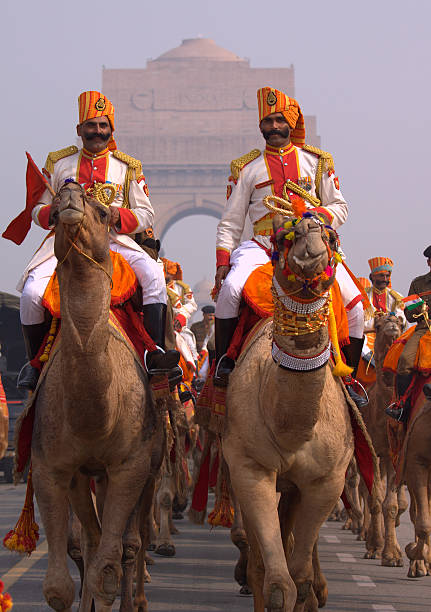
(24, 536)
(340, 368)
(51, 336)
(223, 514)
(6, 602)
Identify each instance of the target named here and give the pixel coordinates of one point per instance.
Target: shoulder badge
(55, 156)
(133, 163)
(237, 165)
(185, 287)
(397, 297)
(325, 164)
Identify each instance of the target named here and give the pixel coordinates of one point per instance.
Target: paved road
(199, 578)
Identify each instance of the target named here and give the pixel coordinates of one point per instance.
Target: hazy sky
(361, 67)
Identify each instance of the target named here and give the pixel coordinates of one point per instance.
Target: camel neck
(85, 299)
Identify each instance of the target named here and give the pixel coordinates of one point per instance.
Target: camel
(416, 474)
(289, 430)
(94, 416)
(382, 543)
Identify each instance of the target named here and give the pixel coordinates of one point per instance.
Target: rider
(254, 176)
(98, 161)
(405, 368)
(179, 293)
(383, 298)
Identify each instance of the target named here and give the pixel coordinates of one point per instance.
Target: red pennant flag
(36, 183)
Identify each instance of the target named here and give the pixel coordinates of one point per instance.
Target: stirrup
(28, 377)
(359, 400)
(222, 379)
(395, 411)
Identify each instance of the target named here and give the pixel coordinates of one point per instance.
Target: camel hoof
(56, 604)
(245, 590)
(177, 516)
(173, 530)
(147, 577)
(322, 595)
(392, 562)
(276, 599)
(149, 560)
(416, 570)
(165, 550)
(360, 537)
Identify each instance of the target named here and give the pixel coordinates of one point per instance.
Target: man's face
(209, 317)
(95, 133)
(380, 280)
(275, 130)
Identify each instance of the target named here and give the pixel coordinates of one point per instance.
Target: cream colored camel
(94, 415)
(290, 431)
(381, 539)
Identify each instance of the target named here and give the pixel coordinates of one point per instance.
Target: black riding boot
(33, 337)
(352, 353)
(224, 329)
(400, 409)
(160, 361)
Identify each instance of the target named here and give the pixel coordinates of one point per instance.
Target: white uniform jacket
(265, 175)
(87, 169)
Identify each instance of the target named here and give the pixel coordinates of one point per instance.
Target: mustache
(104, 137)
(284, 133)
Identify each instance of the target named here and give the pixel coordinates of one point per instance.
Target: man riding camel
(98, 161)
(179, 293)
(254, 176)
(406, 363)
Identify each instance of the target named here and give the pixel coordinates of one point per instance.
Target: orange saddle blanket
(124, 285)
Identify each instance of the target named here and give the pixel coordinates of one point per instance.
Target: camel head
(305, 252)
(79, 220)
(388, 328)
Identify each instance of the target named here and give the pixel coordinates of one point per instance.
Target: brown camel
(382, 542)
(94, 416)
(417, 476)
(289, 430)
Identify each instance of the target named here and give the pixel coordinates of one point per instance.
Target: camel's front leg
(123, 491)
(165, 496)
(418, 552)
(239, 538)
(255, 489)
(51, 495)
(391, 555)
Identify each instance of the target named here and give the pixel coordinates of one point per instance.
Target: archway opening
(190, 240)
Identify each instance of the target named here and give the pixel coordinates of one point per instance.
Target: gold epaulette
(55, 156)
(236, 165)
(134, 172)
(397, 297)
(133, 163)
(324, 164)
(184, 286)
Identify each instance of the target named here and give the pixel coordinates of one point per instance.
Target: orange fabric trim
(364, 377)
(392, 356)
(257, 294)
(124, 285)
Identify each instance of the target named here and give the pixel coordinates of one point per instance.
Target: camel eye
(102, 214)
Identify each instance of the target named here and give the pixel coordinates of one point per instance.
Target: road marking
(383, 607)
(331, 539)
(346, 557)
(24, 565)
(363, 581)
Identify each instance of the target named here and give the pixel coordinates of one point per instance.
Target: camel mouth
(71, 216)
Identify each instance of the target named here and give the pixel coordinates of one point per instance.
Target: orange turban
(172, 268)
(271, 101)
(95, 104)
(380, 264)
(365, 282)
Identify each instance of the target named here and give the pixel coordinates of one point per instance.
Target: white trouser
(148, 272)
(249, 256)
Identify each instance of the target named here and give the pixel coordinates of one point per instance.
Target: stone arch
(206, 207)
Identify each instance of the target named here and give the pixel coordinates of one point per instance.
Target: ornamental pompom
(298, 205)
(5, 599)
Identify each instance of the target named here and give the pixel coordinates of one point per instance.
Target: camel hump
(236, 165)
(55, 156)
(325, 158)
(134, 164)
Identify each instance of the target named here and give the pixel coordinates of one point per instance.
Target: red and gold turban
(380, 264)
(172, 268)
(95, 104)
(271, 101)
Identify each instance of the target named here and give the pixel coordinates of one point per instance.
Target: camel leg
(320, 586)
(239, 539)
(351, 489)
(145, 516)
(306, 531)
(418, 552)
(51, 495)
(255, 489)
(122, 494)
(131, 547)
(165, 496)
(83, 506)
(374, 537)
(391, 555)
(74, 545)
(403, 504)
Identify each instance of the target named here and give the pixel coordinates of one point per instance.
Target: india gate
(186, 115)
